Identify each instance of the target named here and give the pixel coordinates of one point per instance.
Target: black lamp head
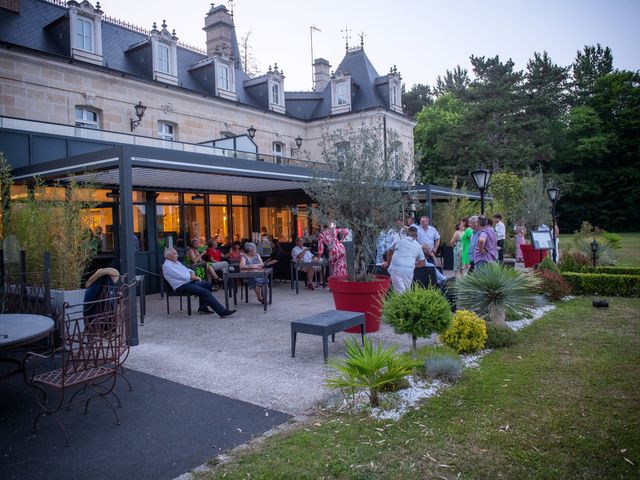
(481, 176)
(554, 193)
(251, 131)
(298, 141)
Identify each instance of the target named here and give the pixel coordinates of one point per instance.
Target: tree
(455, 81)
(249, 63)
(534, 206)
(416, 99)
(506, 190)
(590, 64)
(360, 187)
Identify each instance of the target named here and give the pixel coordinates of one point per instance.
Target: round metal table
(19, 329)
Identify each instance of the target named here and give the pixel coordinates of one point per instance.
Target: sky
(423, 38)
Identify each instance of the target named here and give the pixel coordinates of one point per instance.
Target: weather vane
(346, 37)
(362, 35)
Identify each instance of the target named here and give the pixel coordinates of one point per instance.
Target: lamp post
(594, 250)
(298, 141)
(140, 109)
(554, 195)
(481, 176)
(251, 131)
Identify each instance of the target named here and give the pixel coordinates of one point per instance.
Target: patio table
(266, 273)
(20, 329)
(297, 266)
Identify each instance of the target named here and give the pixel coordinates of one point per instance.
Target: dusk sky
(423, 38)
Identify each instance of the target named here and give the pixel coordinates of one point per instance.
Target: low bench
(325, 324)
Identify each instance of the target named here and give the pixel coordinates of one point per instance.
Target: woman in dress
(235, 254)
(520, 240)
(250, 260)
(456, 243)
(337, 253)
(465, 242)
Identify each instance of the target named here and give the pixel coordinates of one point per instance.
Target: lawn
(628, 255)
(562, 403)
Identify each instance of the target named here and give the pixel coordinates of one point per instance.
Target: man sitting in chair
(183, 280)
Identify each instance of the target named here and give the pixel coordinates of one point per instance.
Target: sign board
(541, 240)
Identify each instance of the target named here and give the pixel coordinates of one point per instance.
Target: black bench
(325, 324)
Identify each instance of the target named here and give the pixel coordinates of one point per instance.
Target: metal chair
(95, 341)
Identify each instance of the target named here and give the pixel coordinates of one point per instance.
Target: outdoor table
(297, 266)
(266, 273)
(19, 329)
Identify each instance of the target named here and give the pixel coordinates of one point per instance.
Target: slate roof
(34, 28)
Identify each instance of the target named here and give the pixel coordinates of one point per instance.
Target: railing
(128, 139)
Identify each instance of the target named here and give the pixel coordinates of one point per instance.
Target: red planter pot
(366, 297)
(532, 257)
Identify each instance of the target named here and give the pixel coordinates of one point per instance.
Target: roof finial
(231, 8)
(164, 24)
(362, 35)
(346, 37)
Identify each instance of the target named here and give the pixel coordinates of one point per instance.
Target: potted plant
(53, 220)
(360, 187)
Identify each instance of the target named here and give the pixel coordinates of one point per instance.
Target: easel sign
(541, 240)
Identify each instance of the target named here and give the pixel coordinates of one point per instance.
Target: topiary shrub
(612, 270)
(418, 311)
(499, 337)
(547, 265)
(603, 284)
(467, 334)
(552, 285)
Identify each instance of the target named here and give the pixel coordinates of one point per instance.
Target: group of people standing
(478, 240)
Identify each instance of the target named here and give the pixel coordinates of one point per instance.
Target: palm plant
(605, 254)
(370, 368)
(495, 291)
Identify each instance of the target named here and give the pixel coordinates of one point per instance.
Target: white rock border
(408, 398)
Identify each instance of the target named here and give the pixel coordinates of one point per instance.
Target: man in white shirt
(501, 233)
(300, 253)
(404, 255)
(184, 280)
(429, 238)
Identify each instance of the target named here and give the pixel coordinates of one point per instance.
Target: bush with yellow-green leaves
(467, 334)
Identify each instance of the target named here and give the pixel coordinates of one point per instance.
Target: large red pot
(366, 297)
(532, 257)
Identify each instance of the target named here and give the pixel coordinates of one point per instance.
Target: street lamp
(140, 109)
(251, 131)
(594, 250)
(554, 195)
(298, 141)
(481, 177)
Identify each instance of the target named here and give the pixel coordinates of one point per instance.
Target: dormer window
(85, 24)
(225, 81)
(84, 35)
(340, 93)
(275, 94)
(163, 58)
(165, 54)
(395, 95)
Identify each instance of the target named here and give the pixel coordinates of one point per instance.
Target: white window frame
(275, 93)
(164, 59)
(224, 80)
(84, 121)
(166, 131)
(395, 94)
(277, 149)
(342, 94)
(85, 41)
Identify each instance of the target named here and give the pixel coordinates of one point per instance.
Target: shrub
(613, 238)
(495, 292)
(418, 311)
(467, 334)
(573, 261)
(370, 368)
(500, 337)
(604, 255)
(547, 265)
(552, 285)
(611, 270)
(603, 284)
(443, 368)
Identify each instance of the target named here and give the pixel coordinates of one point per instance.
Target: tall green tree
(590, 64)
(416, 99)
(455, 81)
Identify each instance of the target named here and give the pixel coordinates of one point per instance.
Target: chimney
(11, 5)
(219, 25)
(321, 74)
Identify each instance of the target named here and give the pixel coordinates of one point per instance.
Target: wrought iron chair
(95, 340)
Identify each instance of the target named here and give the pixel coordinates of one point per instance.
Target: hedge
(603, 284)
(612, 270)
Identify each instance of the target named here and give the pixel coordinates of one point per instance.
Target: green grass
(628, 255)
(562, 403)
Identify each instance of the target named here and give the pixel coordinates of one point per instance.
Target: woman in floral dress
(337, 254)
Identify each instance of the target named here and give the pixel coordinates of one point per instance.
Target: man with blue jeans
(183, 280)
